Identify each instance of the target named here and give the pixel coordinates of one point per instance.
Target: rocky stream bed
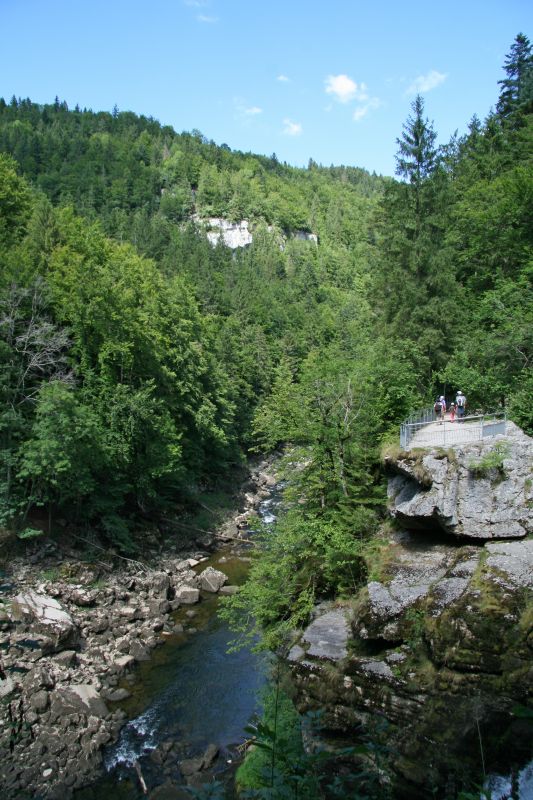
(74, 638)
(430, 660)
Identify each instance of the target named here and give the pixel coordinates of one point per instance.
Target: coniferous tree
(416, 155)
(517, 88)
(416, 283)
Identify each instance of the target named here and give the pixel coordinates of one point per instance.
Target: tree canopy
(138, 362)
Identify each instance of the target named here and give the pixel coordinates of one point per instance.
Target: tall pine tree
(516, 91)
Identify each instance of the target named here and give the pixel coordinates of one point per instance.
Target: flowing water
(192, 692)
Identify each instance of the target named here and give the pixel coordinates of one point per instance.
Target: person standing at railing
(439, 409)
(460, 403)
(452, 412)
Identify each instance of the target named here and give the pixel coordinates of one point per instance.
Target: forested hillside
(138, 362)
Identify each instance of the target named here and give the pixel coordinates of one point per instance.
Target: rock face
(460, 493)
(232, 234)
(47, 616)
(305, 236)
(239, 234)
(440, 641)
(327, 636)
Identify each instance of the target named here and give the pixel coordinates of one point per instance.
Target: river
(193, 692)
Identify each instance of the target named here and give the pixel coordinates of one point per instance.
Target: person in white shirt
(460, 404)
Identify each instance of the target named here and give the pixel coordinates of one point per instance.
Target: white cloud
(205, 18)
(292, 128)
(344, 89)
(244, 111)
(362, 111)
(283, 78)
(196, 3)
(425, 83)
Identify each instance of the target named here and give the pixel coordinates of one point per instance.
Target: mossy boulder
(490, 626)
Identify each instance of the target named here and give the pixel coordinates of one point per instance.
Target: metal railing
(446, 432)
(417, 419)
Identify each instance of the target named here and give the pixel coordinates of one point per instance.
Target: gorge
(189, 333)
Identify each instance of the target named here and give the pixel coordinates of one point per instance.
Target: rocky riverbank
(71, 634)
(438, 644)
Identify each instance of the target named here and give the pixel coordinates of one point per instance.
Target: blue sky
(329, 80)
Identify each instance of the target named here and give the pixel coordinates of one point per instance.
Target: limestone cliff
(241, 233)
(439, 642)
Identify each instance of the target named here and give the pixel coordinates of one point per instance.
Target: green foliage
(479, 794)
(278, 768)
(60, 458)
(520, 404)
(492, 461)
(51, 574)
(416, 151)
(280, 417)
(417, 627)
(138, 363)
(304, 559)
(277, 741)
(517, 87)
(15, 200)
(30, 533)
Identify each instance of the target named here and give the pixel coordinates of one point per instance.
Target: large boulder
(212, 580)
(159, 584)
(327, 635)
(81, 698)
(7, 686)
(325, 638)
(187, 595)
(482, 490)
(46, 615)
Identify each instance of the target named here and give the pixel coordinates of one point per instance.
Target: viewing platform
(423, 429)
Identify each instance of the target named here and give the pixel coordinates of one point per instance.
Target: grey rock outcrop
(305, 236)
(327, 635)
(440, 640)
(463, 493)
(76, 699)
(513, 560)
(232, 234)
(212, 580)
(187, 595)
(47, 616)
(241, 233)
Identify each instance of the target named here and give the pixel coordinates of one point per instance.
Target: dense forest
(138, 362)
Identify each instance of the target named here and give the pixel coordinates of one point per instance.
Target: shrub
(490, 462)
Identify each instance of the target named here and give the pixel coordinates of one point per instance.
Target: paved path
(446, 434)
